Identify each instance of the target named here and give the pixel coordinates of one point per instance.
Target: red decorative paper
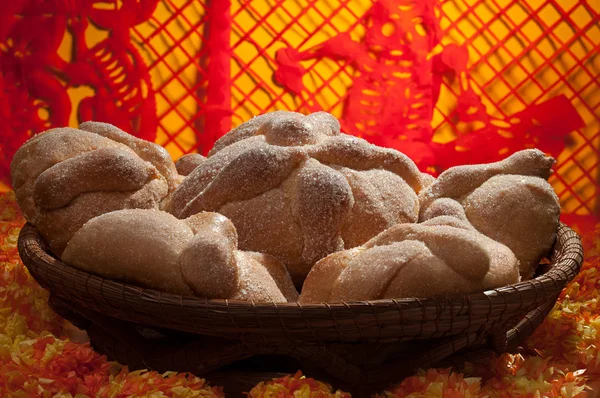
(397, 85)
(396, 55)
(34, 79)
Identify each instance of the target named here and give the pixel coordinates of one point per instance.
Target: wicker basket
(370, 343)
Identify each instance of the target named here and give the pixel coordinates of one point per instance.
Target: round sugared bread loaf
(509, 201)
(63, 177)
(297, 188)
(196, 256)
(443, 255)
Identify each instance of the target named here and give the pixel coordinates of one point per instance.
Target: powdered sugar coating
(57, 186)
(413, 260)
(324, 275)
(288, 182)
(260, 281)
(356, 153)
(188, 163)
(381, 199)
(323, 200)
(195, 256)
(135, 246)
(45, 150)
(521, 212)
(199, 179)
(426, 180)
(158, 156)
(458, 182)
(208, 264)
(64, 177)
(279, 236)
(253, 172)
(277, 272)
(446, 207)
(245, 130)
(509, 201)
(58, 226)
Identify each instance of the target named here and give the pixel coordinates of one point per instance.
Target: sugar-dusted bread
(158, 156)
(443, 255)
(298, 189)
(64, 177)
(426, 180)
(195, 256)
(509, 201)
(187, 163)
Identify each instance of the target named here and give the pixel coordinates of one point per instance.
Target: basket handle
(566, 262)
(516, 335)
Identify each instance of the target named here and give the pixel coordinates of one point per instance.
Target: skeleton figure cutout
(399, 68)
(35, 78)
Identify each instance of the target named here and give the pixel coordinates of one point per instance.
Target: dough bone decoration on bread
(297, 188)
(442, 255)
(196, 256)
(63, 177)
(509, 201)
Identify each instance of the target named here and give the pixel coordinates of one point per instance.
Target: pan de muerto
(298, 189)
(509, 201)
(195, 256)
(63, 177)
(443, 255)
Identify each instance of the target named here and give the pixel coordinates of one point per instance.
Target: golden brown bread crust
(195, 256)
(64, 177)
(442, 256)
(509, 201)
(298, 189)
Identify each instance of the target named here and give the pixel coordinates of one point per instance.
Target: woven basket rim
(465, 317)
(36, 251)
(500, 318)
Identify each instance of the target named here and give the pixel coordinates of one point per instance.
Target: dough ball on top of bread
(444, 255)
(196, 256)
(63, 177)
(297, 188)
(188, 163)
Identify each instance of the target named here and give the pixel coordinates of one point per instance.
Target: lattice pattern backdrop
(450, 82)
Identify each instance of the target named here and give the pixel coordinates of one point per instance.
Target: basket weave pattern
(370, 341)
